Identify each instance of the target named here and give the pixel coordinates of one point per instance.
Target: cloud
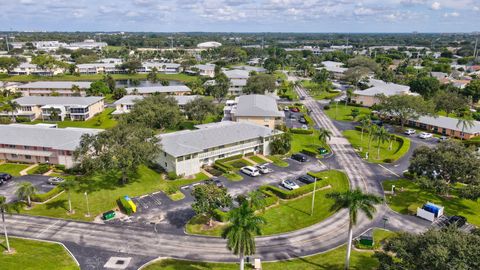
(451, 14)
(435, 6)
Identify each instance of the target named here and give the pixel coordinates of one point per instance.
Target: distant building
(169, 90)
(126, 103)
(47, 88)
(209, 45)
(67, 108)
(31, 69)
(369, 97)
(336, 69)
(40, 143)
(99, 68)
(446, 126)
(185, 152)
(168, 68)
(257, 109)
(207, 70)
(238, 80)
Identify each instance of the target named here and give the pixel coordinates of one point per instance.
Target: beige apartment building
(257, 109)
(56, 88)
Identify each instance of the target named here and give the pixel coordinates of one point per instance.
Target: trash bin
(366, 240)
(108, 215)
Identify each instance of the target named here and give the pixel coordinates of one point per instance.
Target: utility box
(108, 215)
(366, 240)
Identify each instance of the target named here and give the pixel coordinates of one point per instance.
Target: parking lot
(39, 181)
(292, 119)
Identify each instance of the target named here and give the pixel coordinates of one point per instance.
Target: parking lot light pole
(88, 208)
(313, 195)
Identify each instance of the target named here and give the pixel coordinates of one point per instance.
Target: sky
(241, 15)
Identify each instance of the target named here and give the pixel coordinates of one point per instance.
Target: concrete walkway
(25, 171)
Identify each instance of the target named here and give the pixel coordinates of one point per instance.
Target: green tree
(25, 190)
(355, 74)
(260, 84)
(219, 90)
(371, 135)
(8, 63)
(405, 107)
(321, 76)
(10, 106)
(465, 122)
(98, 88)
(118, 93)
(120, 149)
(324, 135)
(256, 200)
(365, 124)
(48, 62)
(208, 198)
(165, 82)
(306, 67)
(199, 108)
(110, 82)
(448, 101)
(382, 136)
(354, 113)
(152, 75)
(68, 185)
(240, 234)
(354, 201)
(425, 86)
(363, 62)
(434, 249)
(54, 114)
(76, 90)
(131, 66)
(4, 209)
(472, 90)
(281, 144)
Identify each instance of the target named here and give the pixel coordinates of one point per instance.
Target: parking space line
(394, 173)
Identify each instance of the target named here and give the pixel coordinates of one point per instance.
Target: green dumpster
(366, 240)
(109, 215)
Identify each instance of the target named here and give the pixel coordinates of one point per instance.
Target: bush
(220, 216)
(412, 208)
(171, 189)
(41, 169)
(46, 196)
(222, 167)
(172, 176)
(21, 119)
(124, 206)
(301, 131)
(326, 107)
(223, 160)
(5, 120)
(388, 160)
(60, 167)
(309, 152)
(213, 171)
(238, 164)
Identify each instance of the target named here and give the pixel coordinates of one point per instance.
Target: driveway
(39, 181)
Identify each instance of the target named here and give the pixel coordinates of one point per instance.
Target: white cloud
(435, 6)
(475, 8)
(362, 11)
(451, 14)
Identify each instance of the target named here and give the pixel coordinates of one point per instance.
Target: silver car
(55, 180)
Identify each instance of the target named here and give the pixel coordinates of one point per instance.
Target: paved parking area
(291, 119)
(39, 181)
(146, 202)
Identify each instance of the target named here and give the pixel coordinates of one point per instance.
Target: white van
(249, 170)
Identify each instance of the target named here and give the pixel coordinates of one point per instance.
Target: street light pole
(313, 195)
(88, 208)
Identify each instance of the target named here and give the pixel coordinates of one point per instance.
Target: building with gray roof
(185, 152)
(40, 143)
(257, 109)
(447, 126)
(369, 96)
(48, 88)
(149, 90)
(126, 103)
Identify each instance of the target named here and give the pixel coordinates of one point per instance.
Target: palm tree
(365, 124)
(381, 135)
(256, 200)
(354, 201)
(240, 234)
(391, 138)
(324, 135)
(25, 191)
(349, 95)
(6, 208)
(371, 133)
(68, 185)
(465, 122)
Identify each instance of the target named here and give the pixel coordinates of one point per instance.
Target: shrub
(46, 196)
(223, 160)
(60, 167)
(309, 152)
(171, 189)
(326, 107)
(238, 164)
(124, 206)
(172, 176)
(5, 120)
(41, 169)
(388, 160)
(301, 131)
(291, 194)
(222, 167)
(219, 215)
(21, 119)
(213, 171)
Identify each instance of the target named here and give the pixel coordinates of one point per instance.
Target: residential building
(126, 103)
(47, 88)
(439, 75)
(369, 97)
(251, 68)
(99, 68)
(167, 68)
(209, 45)
(169, 90)
(185, 152)
(447, 126)
(257, 109)
(40, 143)
(31, 69)
(336, 69)
(66, 108)
(238, 80)
(207, 70)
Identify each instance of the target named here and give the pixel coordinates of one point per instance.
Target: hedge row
(223, 160)
(309, 152)
(219, 215)
(291, 194)
(124, 206)
(301, 131)
(47, 195)
(222, 167)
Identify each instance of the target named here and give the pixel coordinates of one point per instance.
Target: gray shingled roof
(42, 136)
(381, 87)
(211, 135)
(48, 100)
(449, 123)
(236, 74)
(159, 89)
(130, 99)
(54, 85)
(257, 105)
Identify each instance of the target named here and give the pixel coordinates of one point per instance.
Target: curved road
(320, 237)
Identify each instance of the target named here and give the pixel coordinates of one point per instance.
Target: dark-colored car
(218, 183)
(377, 122)
(300, 157)
(302, 120)
(294, 109)
(459, 221)
(5, 177)
(322, 150)
(307, 179)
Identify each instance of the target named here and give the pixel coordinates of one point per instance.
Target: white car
(425, 135)
(289, 184)
(410, 131)
(263, 169)
(249, 170)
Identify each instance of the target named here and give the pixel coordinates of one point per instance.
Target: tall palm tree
(324, 135)
(68, 185)
(354, 201)
(382, 136)
(240, 234)
(349, 95)
(6, 208)
(256, 200)
(365, 124)
(372, 130)
(465, 122)
(25, 191)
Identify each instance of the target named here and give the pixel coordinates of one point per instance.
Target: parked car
(218, 183)
(293, 117)
(302, 120)
(302, 98)
(286, 109)
(425, 135)
(322, 150)
(249, 170)
(377, 122)
(300, 157)
(305, 127)
(443, 138)
(459, 221)
(263, 169)
(294, 109)
(307, 179)
(410, 131)
(289, 184)
(5, 177)
(55, 180)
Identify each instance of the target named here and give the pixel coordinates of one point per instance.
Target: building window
(166, 165)
(12, 146)
(28, 157)
(26, 147)
(14, 156)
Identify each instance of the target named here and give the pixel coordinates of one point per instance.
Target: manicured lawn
(35, 255)
(306, 141)
(104, 190)
(317, 92)
(239, 163)
(257, 159)
(291, 215)
(278, 161)
(13, 169)
(103, 120)
(413, 196)
(343, 113)
(30, 78)
(331, 260)
(399, 147)
(199, 225)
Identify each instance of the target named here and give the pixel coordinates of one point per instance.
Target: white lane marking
(392, 172)
(47, 228)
